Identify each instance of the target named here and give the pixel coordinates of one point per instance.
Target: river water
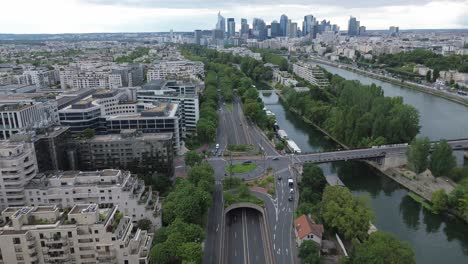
(434, 238)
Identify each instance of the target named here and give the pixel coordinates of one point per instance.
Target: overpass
(376, 152)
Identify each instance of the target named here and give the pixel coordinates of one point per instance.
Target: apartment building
(310, 73)
(104, 187)
(42, 78)
(17, 117)
(131, 150)
(18, 166)
(178, 69)
(87, 234)
(186, 95)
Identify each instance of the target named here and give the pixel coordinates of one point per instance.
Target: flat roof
(118, 137)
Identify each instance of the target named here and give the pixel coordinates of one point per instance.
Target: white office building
(20, 117)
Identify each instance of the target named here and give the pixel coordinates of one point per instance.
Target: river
(434, 238)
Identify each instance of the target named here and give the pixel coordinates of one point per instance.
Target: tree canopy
(442, 161)
(346, 214)
(356, 114)
(382, 248)
(309, 252)
(417, 154)
(192, 158)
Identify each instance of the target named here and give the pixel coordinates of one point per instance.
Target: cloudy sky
(82, 16)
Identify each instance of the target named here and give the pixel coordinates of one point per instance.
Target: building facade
(87, 234)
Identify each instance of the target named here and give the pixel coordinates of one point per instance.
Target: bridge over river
(367, 153)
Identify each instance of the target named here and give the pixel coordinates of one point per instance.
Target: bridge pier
(460, 156)
(393, 160)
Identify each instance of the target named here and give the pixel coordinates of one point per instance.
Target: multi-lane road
(244, 243)
(226, 237)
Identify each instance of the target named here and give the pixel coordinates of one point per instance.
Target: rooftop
(305, 226)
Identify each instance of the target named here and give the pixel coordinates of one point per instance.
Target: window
(16, 240)
(96, 231)
(97, 239)
(70, 234)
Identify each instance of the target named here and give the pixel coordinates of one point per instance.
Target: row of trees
(226, 77)
(208, 121)
(428, 58)
(357, 115)
(441, 162)
(179, 241)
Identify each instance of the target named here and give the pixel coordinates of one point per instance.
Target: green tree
(309, 252)
(89, 133)
(418, 153)
(348, 215)
(192, 158)
(191, 253)
(144, 224)
(280, 145)
(382, 248)
(435, 75)
(429, 76)
(442, 161)
(459, 174)
(439, 201)
(312, 184)
(202, 176)
(187, 202)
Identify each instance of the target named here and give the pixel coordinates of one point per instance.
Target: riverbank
(408, 85)
(421, 190)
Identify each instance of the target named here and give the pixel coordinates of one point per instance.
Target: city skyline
(88, 16)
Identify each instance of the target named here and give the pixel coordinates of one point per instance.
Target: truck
(290, 182)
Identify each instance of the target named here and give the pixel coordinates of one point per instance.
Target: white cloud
(61, 16)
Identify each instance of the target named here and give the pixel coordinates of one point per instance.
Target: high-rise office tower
(283, 24)
(244, 27)
(221, 24)
(275, 29)
(292, 30)
(259, 28)
(353, 27)
(197, 36)
(394, 30)
(231, 27)
(308, 24)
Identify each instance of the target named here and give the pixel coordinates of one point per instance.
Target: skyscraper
(244, 27)
(292, 29)
(353, 26)
(197, 36)
(221, 24)
(259, 28)
(283, 24)
(308, 24)
(231, 27)
(275, 29)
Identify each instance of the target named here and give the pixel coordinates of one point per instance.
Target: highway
(244, 240)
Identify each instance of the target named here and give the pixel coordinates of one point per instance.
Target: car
(247, 162)
(280, 178)
(275, 158)
(291, 197)
(240, 124)
(291, 191)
